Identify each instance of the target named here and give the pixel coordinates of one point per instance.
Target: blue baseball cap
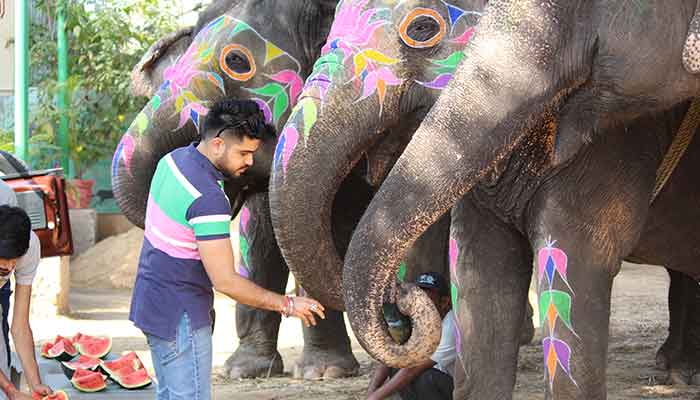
(433, 280)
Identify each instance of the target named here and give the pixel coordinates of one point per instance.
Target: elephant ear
(147, 75)
(315, 21)
(691, 50)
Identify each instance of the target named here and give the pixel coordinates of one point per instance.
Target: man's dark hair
(14, 232)
(238, 118)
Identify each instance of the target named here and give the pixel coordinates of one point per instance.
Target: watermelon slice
(57, 395)
(92, 346)
(132, 379)
(88, 381)
(82, 362)
(129, 360)
(61, 349)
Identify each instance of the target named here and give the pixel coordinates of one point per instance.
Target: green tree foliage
(105, 42)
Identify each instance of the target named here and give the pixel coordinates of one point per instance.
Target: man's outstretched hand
(305, 308)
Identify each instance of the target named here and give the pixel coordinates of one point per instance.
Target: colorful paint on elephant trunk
(453, 259)
(243, 231)
(554, 305)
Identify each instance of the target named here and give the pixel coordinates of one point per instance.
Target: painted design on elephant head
(243, 233)
(353, 55)
(189, 82)
(554, 305)
(200, 76)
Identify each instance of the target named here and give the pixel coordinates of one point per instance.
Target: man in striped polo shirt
(187, 252)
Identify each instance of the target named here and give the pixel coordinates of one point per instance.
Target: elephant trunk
(481, 116)
(306, 178)
(151, 136)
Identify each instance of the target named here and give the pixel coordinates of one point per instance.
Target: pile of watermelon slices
(82, 362)
(57, 395)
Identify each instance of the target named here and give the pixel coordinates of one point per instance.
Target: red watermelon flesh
(133, 379)
(92, 346)
(63, 350)
(48, 345)
(57, 395)
(82, 362)
(88, 381)
(129, 360)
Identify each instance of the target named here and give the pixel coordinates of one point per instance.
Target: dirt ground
(638, 327)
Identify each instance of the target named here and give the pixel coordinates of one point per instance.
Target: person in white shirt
(20, 252)
(432, 379)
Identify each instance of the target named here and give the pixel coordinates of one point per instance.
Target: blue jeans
(183, 366)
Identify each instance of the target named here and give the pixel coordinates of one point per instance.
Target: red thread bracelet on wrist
(9, 388)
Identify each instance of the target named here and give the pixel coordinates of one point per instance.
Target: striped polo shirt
(186, 204)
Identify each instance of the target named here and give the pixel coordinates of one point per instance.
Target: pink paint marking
(464, 38)
(560, 259)
(352, 25)
(292, 138)
(454, 253)
(245, 219)
(294, 81)
(186, 113)
(127, 145)
(370, 85)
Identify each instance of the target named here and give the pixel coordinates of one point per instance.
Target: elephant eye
(237, 62)
(422, 28)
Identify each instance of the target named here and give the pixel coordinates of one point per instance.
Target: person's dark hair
(15, 229)
(238, 118)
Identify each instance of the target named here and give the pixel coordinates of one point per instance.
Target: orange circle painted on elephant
(422, 12)
(243, 76)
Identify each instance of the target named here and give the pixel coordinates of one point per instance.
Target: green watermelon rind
(102, 354)
(134, 387)
(137, 386)
(90, 390)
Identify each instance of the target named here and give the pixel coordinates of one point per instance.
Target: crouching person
(20, 253)
(431, 380)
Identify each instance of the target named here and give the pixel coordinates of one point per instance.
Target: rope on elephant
(678, 147)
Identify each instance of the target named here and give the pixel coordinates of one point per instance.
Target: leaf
(269, 90)
(328, 59)
(451, 61)
(281, 105)
(310, 115)
(379, 57)
(179, 103)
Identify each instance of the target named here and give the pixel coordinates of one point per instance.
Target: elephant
(161, 127)
(327, 109)
(545, 146)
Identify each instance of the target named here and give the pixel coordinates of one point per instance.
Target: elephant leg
(670, 352)
(327, 351)
(577, 252)
(691, 50)
(260, 261)
(687, 369)
(490, 264)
